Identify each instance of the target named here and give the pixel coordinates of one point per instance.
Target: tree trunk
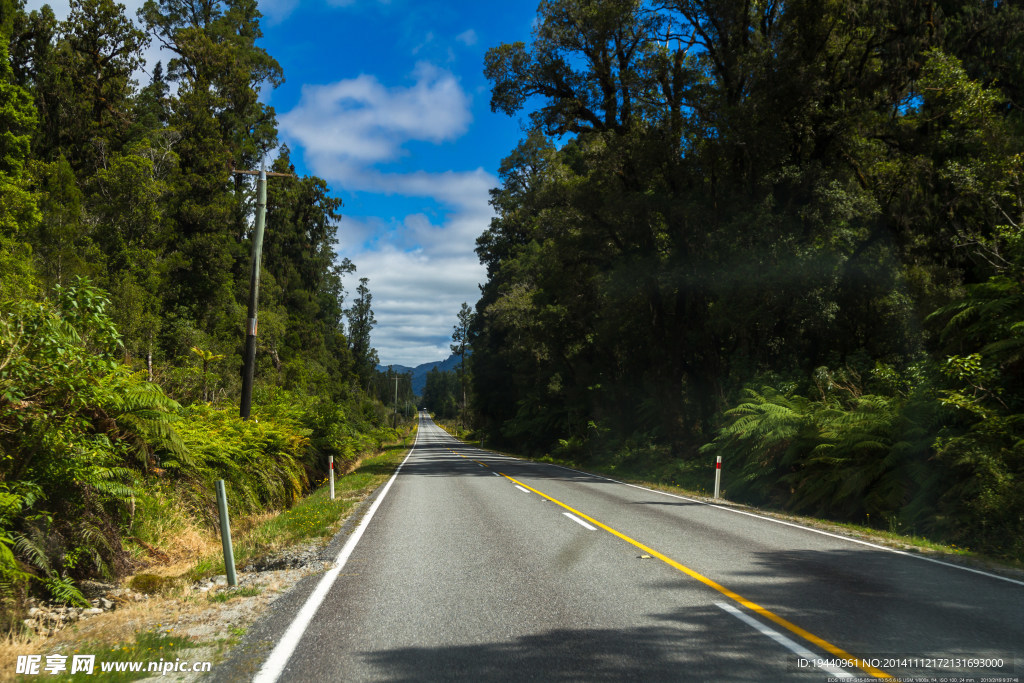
(205, 364)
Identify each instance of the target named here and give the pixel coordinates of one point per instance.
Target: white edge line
(783, 640)
(795, 526)
(887, 549)
(579, 521)
(273, 667)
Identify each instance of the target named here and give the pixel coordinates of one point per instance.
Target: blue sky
(386, 100)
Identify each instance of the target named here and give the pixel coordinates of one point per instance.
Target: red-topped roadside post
(718, 474)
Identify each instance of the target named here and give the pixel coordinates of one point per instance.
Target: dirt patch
(208, 613)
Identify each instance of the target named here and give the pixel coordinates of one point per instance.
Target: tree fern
(988, 317)
(61, 589)
(30, 549)
(145, 415)
(11, 574)
(763, 434)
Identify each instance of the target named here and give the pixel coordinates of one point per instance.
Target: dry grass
(188, 614)
(102, 631)
(10, 648)
(181, 549)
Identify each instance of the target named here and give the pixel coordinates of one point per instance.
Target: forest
(787, 234)
(125, 260)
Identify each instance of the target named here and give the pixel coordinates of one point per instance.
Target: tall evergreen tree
(19, 213)
(360, 323)
(461, 345)
(219, 69)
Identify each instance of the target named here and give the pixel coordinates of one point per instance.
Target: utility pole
(249, 357)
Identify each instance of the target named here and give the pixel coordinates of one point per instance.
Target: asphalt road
(474, 566)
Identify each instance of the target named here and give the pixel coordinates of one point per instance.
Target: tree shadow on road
(703, 644)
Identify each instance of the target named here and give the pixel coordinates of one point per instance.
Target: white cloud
(359, 121)
(421, 266)
(276, 11)
(464, 194)
(415, 299)
(354, 234)
(420, 272)
(463, 190)
(467, 37)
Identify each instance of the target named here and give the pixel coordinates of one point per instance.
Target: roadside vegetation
(787, 234)
(315, 518)
(125, 259)
(189, 550)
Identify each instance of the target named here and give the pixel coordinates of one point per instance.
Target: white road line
(274, 666)
(522, 489)
(579, 521)
(795, 526)
(840, 537)
(495, 474)
(783, 640)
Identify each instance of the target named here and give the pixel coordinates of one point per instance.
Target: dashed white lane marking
(894, 551)
(580, 521)
(521, 488)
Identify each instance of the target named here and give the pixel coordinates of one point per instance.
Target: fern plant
(61, 588)
(847, 455)
(761, 438)
(982, 444)
(144, 415)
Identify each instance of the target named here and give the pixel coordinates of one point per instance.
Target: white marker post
(718, 474)
(330, 459)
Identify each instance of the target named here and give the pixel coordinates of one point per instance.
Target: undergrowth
(99, 466)
(314, 518)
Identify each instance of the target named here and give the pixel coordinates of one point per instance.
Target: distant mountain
(419, 373)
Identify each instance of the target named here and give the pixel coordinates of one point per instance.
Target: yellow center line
(753, 606)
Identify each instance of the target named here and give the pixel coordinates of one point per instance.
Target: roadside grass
(146, 647)
(458, 432)
(245, 592)
(149, 646)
